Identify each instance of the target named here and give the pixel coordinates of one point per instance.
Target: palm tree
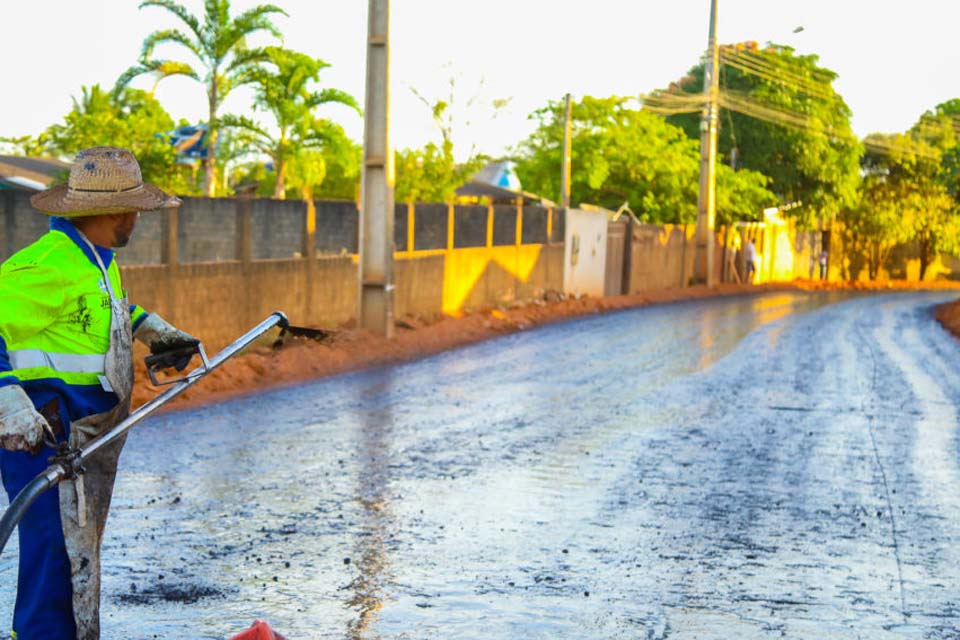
(285, 92)
(224, 61)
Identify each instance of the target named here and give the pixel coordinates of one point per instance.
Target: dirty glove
(21, 427)
(174, 346)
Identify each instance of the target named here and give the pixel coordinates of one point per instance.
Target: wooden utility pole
(703, 272)
(567, 148)
(376, 200)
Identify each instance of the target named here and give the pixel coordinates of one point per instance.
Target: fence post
(451, 212)
(489, 225)
(308, 252)
(411, 226)
(549, 225)
(519, 234)
(626, 274)
(683, 258)
(170, 257)
(244, 206)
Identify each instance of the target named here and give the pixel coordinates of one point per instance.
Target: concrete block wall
(21, 224)
(207, 229)
(145, 244)
(430, 226)
(504, 225)
(419, 285)
(337, 227)
(470, 226)
(217, 301)
(662, 256)
(277, 228)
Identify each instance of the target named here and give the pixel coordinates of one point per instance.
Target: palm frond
(232, 34)
(167, 68)
(245, 60)
(169, 35)
(180, 11)
(257, 19)
(329, 96)
(247, 125)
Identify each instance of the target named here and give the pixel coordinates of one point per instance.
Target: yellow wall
(464, 268)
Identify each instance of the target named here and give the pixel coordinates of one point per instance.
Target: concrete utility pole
(567, 149)
(703, 271)
(376, 200)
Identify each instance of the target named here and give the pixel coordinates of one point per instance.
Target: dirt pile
(418, 336)
(949, 316)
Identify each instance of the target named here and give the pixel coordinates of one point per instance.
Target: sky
(895, 59)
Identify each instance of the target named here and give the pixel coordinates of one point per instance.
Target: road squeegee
(68, 463)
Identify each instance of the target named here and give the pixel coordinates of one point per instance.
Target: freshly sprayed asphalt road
(783, 465)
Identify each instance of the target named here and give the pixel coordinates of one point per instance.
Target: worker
(66, 373)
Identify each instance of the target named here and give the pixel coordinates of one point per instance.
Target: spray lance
(69, 462)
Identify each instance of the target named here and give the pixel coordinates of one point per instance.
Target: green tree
(432, 173)
(621, 153)
(901, 199)
(283, 88)
(873, 227)
(906, 169)
(781, 116)
(342, 182)
(940, 128)
(131, 118)
(219, 45)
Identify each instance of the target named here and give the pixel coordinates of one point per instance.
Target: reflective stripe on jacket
(55, 321)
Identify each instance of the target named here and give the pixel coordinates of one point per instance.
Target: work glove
(175, 347)
(21, 426)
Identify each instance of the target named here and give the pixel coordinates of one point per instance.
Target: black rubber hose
(18, 508)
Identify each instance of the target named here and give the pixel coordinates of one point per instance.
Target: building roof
(496, 194)
(499, 182)
(30, 173)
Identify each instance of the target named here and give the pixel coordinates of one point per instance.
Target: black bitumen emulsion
(780, 465)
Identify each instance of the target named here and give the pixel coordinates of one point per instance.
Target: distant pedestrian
(823, 264)
(750, 255)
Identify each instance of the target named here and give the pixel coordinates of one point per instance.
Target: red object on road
(259, 631)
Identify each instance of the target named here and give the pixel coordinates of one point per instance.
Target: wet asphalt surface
(784, 465)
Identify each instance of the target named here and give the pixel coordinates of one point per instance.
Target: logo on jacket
(82, 315)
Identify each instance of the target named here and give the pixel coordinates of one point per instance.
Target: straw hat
(103, 180)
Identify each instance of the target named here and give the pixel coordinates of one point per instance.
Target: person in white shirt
(750, 256)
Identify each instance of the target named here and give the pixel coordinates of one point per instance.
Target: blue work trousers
(44, 608)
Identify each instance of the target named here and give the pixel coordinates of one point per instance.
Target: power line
(663, 103)
(803, 123)
(817, 92)
(779, 75)
(673, 103)
(819, 76)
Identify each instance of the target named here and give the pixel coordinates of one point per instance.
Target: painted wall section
(465, 268)
(585, 252)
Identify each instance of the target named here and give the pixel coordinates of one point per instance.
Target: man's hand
(166, 340)
(21, 427)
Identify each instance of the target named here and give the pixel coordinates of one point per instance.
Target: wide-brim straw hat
(103, 180)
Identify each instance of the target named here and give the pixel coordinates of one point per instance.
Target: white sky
(895, 58)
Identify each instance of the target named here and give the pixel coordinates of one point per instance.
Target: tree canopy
(622, 153)
(131, 118)
(432, 173)
(781, 116)
(284, 89)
